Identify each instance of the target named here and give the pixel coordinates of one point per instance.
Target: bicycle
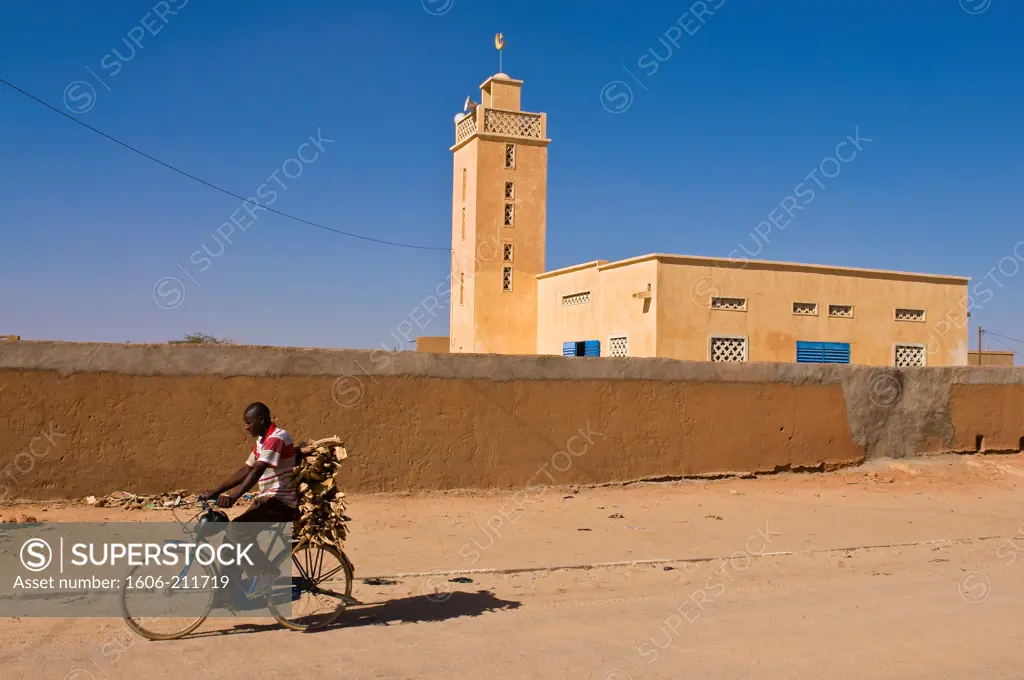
(310, 578)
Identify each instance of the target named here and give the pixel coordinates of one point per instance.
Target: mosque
(505, 301)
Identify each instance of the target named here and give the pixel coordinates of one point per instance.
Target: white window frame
(746, 346)
(798, 302)
(923, 319)
(712, 298)
(923, 346)
(853, 310)
(618, 336)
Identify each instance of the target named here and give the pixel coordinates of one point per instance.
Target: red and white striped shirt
(277, 450)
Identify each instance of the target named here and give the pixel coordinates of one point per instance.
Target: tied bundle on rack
(321, 504)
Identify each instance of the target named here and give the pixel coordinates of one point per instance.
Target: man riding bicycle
(271, 464)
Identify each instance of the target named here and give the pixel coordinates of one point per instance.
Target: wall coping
(67, 358)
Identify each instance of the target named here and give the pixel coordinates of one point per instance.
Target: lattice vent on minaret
(512, 123)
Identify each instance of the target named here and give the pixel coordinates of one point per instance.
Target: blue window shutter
(592, 348)
(568, 349)
(837, 352)
(822, 352)
(810, 352)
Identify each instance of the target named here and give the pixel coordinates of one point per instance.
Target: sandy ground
(892, 570)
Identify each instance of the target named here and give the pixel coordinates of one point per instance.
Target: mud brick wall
(95, 418)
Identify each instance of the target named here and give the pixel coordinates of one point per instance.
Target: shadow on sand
(415, 609)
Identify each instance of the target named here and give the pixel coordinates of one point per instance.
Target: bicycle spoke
(319, 562)
(299, 567)
(330, 593)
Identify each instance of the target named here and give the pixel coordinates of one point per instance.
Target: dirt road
(896, 570)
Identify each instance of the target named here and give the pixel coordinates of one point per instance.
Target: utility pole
(979, 344)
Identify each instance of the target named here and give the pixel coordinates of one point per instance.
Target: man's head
(257, 419)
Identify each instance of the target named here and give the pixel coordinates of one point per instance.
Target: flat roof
(501, 78)
(573, 268)
(739, 263)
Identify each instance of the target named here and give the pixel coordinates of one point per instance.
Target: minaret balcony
(499, 123)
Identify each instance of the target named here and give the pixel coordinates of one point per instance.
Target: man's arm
(241, 475)
(250, 475)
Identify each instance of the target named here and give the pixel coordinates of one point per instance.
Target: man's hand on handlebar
(224, 500)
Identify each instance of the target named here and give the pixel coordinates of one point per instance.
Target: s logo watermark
(36, 554)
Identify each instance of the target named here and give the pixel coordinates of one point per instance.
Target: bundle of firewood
(321, 502)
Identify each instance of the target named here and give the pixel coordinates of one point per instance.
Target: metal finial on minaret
(499, 44)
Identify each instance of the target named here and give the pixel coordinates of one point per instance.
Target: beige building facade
(657, 305)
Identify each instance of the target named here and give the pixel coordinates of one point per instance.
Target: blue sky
(740, 110)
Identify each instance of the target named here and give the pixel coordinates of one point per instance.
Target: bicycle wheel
(319, 588)
(161, 593)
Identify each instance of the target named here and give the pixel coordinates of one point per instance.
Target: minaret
(499, 221)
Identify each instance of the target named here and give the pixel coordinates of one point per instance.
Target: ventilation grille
(909, 355)
(465, 128)
(509, 212)
(805, 308)
(510, 155)
(506, 278)
(845, 311)
(510, 190)
(910, 315)
(506, 255)
(735, 304)
(618, 347)
(729, 350)
(576, 298)
(512, 123)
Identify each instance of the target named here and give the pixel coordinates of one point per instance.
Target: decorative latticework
(465, 128)
(512, 123)
(910, 315)
(509, 213)
(576, 299)
(841, 310)
(510, 155)
(909, 355)
(729, 350)
(618, 347)
(510, 190)
(506, 254)
(735, 304)
(506, 278)
(805, 308)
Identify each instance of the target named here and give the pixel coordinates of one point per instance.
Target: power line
(1001, 343)
(210, 184)
(1005, 337)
